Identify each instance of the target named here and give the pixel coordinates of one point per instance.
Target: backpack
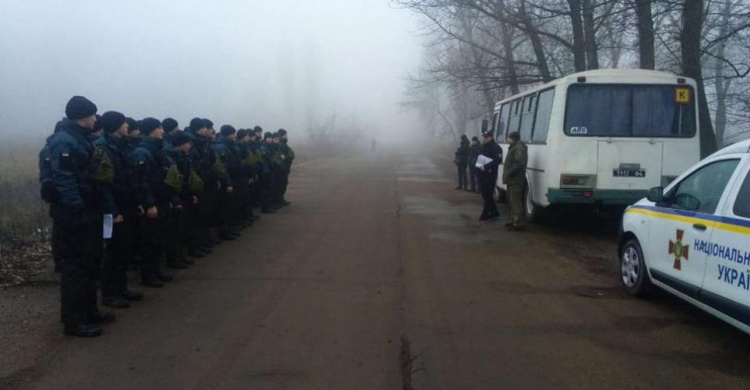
(100, 167)
(48, 191)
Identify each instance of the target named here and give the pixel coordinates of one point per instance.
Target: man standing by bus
(488, 175)
(514, 176)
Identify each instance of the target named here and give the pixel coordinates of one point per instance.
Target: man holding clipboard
(487, 164)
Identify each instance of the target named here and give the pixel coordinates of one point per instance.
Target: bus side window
(543, 114)
(503, 122)
(494, 123)
(515, 118)
(527, 117)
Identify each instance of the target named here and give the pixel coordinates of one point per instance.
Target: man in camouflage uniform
(514, 176)
(287, 160)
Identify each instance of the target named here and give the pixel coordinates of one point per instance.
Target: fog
(281, 63)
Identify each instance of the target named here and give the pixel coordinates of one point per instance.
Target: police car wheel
(633, 272)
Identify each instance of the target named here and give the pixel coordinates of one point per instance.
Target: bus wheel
(533, 212)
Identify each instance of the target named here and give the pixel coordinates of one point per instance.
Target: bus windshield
(602, 110)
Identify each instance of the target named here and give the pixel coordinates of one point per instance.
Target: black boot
(116, 302)
(132, 296)
(89, 330)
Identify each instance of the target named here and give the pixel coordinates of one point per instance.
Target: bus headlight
(577, 181)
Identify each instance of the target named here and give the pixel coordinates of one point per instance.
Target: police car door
(727, 282)
(687, 215)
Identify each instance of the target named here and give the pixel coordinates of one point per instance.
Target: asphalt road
(379, 276)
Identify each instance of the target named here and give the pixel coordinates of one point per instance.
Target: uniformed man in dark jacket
(203, 160)
(228, 208)
(243, 184)
(474, 151)
(48, 192)
(488, 175)
(461, 160)
(119, 250)
(261, 167)
(156, 196)
(268, 169)
(514, 176)
(288, 156)
(78, 175)
(178, 233)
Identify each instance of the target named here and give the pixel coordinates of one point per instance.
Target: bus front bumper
(606, 197)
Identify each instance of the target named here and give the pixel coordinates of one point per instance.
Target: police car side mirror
(656, 195)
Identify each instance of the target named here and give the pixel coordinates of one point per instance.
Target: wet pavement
(379, 276)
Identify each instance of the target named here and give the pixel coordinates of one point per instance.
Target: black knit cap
(148, 125)
(268, 135)
(227, 130)
(197, 124)
(242, 134)
(112, 120)
(79, 107)
(132, 124)
(98, 124)
(169, 125)
(180, 139)
(257, 129)
(281, 132)
(208, 123)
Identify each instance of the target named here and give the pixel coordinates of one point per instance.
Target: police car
(692, 238)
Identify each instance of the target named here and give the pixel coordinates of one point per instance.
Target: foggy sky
(273, 63)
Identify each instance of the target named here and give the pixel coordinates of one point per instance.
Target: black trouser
(487, 186)
(174, 232)
(462, 179)
(118, 253)
(191, 230)
(55, 245)
(152, 244)
(284, 183)
(79, 250)
(266, 190)
(227, 211)
(205, 213)
(473, 178)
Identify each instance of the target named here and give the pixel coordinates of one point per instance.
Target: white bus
(603, 137)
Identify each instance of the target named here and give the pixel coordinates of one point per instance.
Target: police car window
(702, 190)
(742, 203)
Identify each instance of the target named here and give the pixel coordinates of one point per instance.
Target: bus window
(494, 123)
(628, 111)
(527, 118)
(515, 118)
(503, 122)
(543, 113)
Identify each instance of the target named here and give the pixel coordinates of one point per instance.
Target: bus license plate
(629, 173)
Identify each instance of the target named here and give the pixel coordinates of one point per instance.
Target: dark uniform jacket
(227, 154)
(514, 172)
(288, 155)
(474, 152)
(491, 150)
(121, 199)
(184, 165)
(155, 187)
(462, 154)
(70, 153)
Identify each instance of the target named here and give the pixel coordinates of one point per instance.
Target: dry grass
(24, 221)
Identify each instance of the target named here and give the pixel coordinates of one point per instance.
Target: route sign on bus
(682, 95)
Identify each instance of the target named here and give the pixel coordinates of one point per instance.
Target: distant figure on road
(461, 159)
(514, 176)
(374, 144)
(488, 175)
(474, 151)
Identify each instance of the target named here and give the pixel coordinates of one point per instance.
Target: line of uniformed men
(172, 195)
